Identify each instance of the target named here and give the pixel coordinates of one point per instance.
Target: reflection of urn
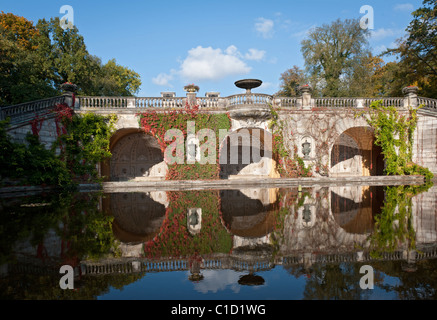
(195, 265)
(306, 149)
(251, 280)
(306, 214)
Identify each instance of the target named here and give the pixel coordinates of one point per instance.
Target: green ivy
(84, 144)
(394, 134)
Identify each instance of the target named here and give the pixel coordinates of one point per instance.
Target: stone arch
(247, 152)
(354, 153)
(135, 155)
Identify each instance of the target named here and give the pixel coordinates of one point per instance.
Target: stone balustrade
(25, 112)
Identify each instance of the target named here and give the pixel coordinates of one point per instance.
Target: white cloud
(382, 33)
(212, 64)
(163, 79)
(264, 27)
(255, 54)
(404, 7)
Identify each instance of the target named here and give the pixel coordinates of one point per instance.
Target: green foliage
(290, 81)
(35, 60)
(332, 51)
(85, 143)
(417, 53)
(394, 133)
(30, 163)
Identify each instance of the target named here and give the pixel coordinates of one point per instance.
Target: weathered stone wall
(47, 133)
(321, 128)
(424, 216)
(425, 142)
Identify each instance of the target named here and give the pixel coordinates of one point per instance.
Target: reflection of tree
(46, 287)
(333, 281)
(418, 285)
(394, 226)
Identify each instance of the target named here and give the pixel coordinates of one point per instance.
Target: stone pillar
(68, 90)
(305, 92)
(131, 103)
(191, 98)
(410, 99)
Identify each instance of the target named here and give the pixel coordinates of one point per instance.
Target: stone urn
(306, 88)
(410, 90)
(69, 87)
(191, 88)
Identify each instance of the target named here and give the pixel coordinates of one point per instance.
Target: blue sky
(171, 43)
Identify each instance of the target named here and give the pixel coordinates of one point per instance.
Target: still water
(248, 244)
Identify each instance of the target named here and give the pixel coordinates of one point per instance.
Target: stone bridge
(325, 132)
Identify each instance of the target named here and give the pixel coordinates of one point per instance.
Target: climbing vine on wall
(83, 141)
(394, 134)
(288, 166)
(158, 124)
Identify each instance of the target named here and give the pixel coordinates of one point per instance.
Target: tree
(114, 80)
(290, 81)
(418, 52)
(331, 51)
(68, 59)
(22, 77)
(364, 78)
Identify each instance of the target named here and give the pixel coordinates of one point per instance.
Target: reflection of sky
(215, 280)
(223, 285)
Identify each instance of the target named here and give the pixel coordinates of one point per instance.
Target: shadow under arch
(354, 153)
(248, 152)
(135, 154)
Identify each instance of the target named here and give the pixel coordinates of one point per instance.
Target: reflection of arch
(354, 208)
(247, 217)
(355, 154)
(247, 151)
(137, 216)
(134, 154)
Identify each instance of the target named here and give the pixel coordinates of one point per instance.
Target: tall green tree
(418, 51)
(22, 77)
(331, 51)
